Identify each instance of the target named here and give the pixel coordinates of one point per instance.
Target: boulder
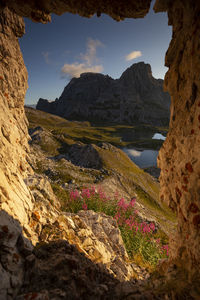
(85, 156)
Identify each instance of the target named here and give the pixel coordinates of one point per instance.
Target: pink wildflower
(166, 247)
(152, 226)
(92, 190)
(146, 229)
(120, 222)
(102, 195)
(85, 193)
(74, 195)
(129, 223)
(122, 204)
(132, 202)
(141, 225)
(117, 216)
(84, 206)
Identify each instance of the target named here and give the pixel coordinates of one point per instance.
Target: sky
(70, 45)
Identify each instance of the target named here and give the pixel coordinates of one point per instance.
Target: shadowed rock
(136, 97)
(85, 156)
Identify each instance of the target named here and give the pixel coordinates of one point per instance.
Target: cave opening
(179, 156)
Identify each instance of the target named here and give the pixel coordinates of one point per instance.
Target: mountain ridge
(135, 97)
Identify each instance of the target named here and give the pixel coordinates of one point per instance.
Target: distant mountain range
(136, 97)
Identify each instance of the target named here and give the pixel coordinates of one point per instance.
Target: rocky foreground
(62, 255)
(73, 264)
(69, 163)
(136, 97)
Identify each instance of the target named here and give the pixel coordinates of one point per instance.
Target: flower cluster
(165, 249)
(128, 215)
(139, 236)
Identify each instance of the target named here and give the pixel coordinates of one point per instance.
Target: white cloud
(133, 55)
(90, 56)
(87, 63)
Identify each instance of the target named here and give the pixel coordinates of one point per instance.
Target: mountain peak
(136, 97)
(139, 68)
(140, 64)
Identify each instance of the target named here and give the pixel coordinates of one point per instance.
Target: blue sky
(70, 44)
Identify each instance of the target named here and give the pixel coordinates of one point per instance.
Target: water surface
(144, 158)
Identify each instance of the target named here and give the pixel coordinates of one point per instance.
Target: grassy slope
(118, 135)
(138, 181)
(133, 179)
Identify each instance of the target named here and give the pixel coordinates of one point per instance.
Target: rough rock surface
(12, 245)
(85, 156)
(95, 235)
(117, 9)
(15, 198)
(136, 97)
(55, 270)
(179, 157)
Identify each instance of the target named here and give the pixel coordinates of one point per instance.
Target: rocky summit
(136, 97)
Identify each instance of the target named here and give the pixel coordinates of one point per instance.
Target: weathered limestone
(15, 198)
(179, 158)
(53, 269)
(118, 9)
(95, 235)
(14, 249)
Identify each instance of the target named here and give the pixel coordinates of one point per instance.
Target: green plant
(140, 238)
(61, 194)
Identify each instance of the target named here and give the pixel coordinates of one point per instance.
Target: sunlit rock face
(95, 236)
(14, 196)
(179, 158)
